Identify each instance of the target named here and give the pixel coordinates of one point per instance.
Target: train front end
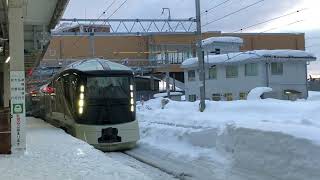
(107, 112)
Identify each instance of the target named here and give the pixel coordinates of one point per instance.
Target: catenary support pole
(200, 55)
(167, 72)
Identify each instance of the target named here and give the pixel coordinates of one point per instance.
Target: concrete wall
(293, 78)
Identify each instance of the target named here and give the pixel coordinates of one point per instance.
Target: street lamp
(168, 11)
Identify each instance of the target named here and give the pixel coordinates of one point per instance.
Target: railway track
(149, 169)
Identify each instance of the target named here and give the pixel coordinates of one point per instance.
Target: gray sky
(308, 19)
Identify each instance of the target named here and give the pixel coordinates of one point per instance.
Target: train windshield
(108, 100)
(108, 88)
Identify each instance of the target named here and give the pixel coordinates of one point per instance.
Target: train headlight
(82, 88)
(80, 110)
(81, 103)
(81, 96)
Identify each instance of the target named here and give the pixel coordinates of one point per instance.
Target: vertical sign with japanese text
(18, 113)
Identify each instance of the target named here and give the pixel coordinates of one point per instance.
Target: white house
(221, 45)
(231, 76)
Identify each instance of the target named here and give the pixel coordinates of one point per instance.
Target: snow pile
(257, 92)
(314, 96)
(251, 56)
(269, 138)
(224, 39)
(53, 154)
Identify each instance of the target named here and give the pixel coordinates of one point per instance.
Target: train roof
(97, 64)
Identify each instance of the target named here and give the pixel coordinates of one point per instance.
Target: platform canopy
(40, 16)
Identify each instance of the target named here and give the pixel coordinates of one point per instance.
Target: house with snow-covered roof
(231, 76)
(221, 45)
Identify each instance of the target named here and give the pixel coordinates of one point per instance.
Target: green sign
(17, 108)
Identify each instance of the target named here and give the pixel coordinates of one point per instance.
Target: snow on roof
(251, 56)
(223, 39)
(165, 94)
(148, 77)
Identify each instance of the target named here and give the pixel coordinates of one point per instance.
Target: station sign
(18, 114)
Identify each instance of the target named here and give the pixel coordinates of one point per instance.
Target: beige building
(140, 51)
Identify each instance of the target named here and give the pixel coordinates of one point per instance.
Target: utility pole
(167, 72)
(200, 55)
(92, 44)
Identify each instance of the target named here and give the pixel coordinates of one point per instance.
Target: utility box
(5, 131)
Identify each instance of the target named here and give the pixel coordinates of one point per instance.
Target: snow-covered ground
(268, 139)
(53, 154)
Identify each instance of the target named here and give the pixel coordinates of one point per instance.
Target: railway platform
(53, 154)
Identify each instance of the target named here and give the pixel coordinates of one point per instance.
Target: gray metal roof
(96, 64)
(252, 56)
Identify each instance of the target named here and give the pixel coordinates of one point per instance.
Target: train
(93, 100)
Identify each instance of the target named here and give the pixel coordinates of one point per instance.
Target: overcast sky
(306, 20)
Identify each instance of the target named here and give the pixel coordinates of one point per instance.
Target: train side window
(73, 84)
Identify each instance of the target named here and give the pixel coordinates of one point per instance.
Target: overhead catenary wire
(114, 12)
(292, 23)
(232, 13)
(104, 12)
(269, 20)
(214, 7)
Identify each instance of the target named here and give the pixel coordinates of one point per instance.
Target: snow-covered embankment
(268, 139)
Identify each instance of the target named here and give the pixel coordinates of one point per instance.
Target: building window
(243, 96)
(216, 97)
(276, 68)
(231, 71)
(228, 96)
(213, 72)
(192, 98)
(251, 69)
(191, 75)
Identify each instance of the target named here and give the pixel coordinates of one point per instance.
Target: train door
(49, 101)
(58, 102)
(70, 92)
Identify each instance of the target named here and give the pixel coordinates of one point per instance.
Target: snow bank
(252, 56)
(53, 154)
(314, 96)
(267, 138)
(224, 39)
(257, 92)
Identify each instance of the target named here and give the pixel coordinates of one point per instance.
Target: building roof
(97, 64)
(222, 39)
(252, 56)
(148, 77)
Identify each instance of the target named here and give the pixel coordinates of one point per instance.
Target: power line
(216, 6)
(239, 10)
(117, 9)
(283, 26)
(269, 20)
(105, 11)
(92, 24)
